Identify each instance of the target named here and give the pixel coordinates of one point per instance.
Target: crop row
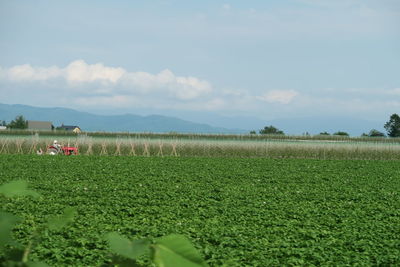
(200, 136)
(206, 148)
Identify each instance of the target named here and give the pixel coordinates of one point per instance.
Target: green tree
(271, 130)
(341, 133)
(375, 133)
(253, 132)
(324, 133)
(18, 123)
(3, 123)
(392, 127)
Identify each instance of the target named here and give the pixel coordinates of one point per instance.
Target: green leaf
(58, 222)
(17, 189)
(36, 264)
(7, 223)
(125, 247)
(176, 251)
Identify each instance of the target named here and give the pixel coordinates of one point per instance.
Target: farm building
(70, 128)
(40, 125)
(3, 128)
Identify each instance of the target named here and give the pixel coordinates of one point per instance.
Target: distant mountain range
(115, 123)
(201, 122)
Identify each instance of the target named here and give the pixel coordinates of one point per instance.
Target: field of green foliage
(235, 211)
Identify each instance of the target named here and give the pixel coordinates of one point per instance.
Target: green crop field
(235, 211)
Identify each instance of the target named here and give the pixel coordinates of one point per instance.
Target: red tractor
(57, 149)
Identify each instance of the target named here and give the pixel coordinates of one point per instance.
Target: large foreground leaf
(125, 247)
(7, 222)
(176, 251)
(58, 222)
(17, 189)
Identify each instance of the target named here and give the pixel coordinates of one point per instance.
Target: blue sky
(264, 59)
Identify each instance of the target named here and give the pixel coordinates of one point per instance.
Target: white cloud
(80, 84)
(79, 73)
(76, 72)
(278, 96)
(27, 73)
(191, 87)
(180, 87)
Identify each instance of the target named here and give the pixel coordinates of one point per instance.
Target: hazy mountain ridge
(112, 123)
(201, 122)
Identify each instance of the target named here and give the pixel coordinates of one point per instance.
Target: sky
(260, 59)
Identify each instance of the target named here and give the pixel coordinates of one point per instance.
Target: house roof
(69, 127)
(39, 125)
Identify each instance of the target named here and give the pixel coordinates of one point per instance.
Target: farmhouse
(70, 128)
(40, 125)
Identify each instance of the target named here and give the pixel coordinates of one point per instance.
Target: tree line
(392, 128)
(18, 123)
